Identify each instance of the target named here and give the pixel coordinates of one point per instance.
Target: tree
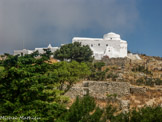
(70, 72)
(81, 110)
(147, 114)
(10, 61)
(27, 90)
(47, 53)
(74, 51)
(31, 87)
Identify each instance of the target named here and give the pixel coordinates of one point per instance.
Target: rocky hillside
(127, 83)
(147, 71)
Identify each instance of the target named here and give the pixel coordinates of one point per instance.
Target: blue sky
(40, 22)
(148, 30)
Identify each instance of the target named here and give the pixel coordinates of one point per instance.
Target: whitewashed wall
(111, 45)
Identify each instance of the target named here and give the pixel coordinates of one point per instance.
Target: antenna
(23, 44)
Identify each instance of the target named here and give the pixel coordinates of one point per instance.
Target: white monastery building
(110, 45)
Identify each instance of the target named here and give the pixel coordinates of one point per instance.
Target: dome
(111, 35)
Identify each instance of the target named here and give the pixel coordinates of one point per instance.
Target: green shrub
(112, 75)
(140, 81)
(98, 76)
(149, 82)
(81, 110)
(99, 65)
(158, 81)
(96, 73)
(111, 95)
(141, 69)
(146, 114)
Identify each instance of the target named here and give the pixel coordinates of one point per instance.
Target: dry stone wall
(138, 90)
(99, 89)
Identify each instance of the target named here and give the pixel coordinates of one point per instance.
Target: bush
(145, 81)
(98, 76)
(113, 76)
(99, 65)
(141, 69)
(158, 81)
(149, 82)
(96, 73)
(81, 110)
(111, 95)
(146, 114)
(140, 81)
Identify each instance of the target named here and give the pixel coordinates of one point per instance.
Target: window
(106, 45)
(98, 44)
(91, 45)
(110, 38)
